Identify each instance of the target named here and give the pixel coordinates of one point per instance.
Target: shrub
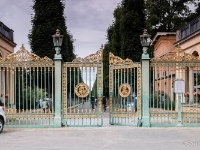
(169, 105)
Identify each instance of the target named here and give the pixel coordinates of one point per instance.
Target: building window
(164, 73)
(195, 53)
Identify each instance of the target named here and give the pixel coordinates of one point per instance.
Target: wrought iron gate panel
(125, 91)
(163, 101)
(26, 78)
(82, 79)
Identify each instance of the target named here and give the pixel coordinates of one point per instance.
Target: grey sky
(87, 20)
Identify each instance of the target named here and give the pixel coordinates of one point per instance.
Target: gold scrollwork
(25, 55)
(97, 57)
(177, 55)
(123, 115)
(82, 90)
(124, 90)
(117, 60)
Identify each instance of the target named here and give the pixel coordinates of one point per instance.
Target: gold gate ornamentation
(164, 105)
(82, 78)
(82, 90)
(20, 74)
(124, 90)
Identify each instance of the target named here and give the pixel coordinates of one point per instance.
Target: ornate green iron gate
(25, 79)
(165, 107)
(125, 91)
(83, 83)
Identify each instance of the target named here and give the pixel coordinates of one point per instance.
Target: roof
(159, 34)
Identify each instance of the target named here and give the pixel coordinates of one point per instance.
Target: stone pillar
(58, 94)
(145, 90)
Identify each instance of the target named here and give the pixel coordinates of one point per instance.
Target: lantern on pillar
(57, 41)
(145, 41)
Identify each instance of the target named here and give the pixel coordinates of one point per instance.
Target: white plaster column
(11, 94)
(184, 77)
(3, 85)
(191, 85)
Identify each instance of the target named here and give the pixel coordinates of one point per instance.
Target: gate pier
(145, 91)
(58, 94)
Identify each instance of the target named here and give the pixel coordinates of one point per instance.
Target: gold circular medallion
(82, 90)
(124, 90)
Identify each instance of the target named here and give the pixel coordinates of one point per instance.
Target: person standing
(135, 103)
(92, 101)
(40, 103)
(36, 104)
(44, 105)
(1, 104)
(95, 101)
(50, 104)
(104, 103)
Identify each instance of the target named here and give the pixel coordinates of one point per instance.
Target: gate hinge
(139, 123)
(64, 122)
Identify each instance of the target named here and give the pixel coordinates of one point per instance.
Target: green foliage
(28, 96)
(162, 100)
(132, 24)
(165, 15)
(195, 14)
(113, 32)
(49, 16)
(94, 89)
(123, 34)
(169, 105)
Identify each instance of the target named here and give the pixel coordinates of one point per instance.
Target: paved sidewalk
(107, 137)
(97, 138)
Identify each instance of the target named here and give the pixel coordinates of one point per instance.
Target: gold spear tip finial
(178, 45)
(22, 46)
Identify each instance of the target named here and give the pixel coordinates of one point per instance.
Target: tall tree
(132, 25)
(49, 16)
(113, 32)
(123, 35)
(167, 15)
(195, 14)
